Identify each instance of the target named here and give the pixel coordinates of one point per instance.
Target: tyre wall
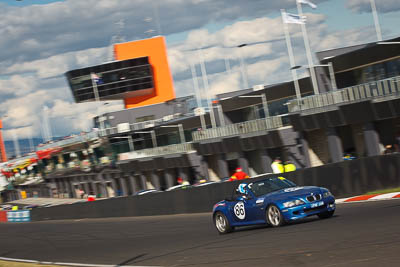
(344, 179)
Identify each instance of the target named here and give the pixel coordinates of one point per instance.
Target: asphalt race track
(360, 234)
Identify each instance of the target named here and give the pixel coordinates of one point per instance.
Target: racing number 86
(239, 210)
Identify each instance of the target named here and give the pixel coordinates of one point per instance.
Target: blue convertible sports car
(272, 201)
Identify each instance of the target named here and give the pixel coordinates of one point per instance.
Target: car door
(244, 209)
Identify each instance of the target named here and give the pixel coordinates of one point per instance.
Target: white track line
(68, 263)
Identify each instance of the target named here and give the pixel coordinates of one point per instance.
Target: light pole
(181, 133)
(376, 20)
(206, 87)
(153, 136)
(197, 93)
(243, 67)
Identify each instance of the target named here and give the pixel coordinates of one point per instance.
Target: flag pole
(291, 56)
(308, 50)
(376, 20)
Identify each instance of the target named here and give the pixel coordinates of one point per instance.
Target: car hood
(294, 192)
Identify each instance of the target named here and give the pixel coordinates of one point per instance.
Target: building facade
(151, 146)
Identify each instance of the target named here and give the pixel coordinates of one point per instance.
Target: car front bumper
(309, 209)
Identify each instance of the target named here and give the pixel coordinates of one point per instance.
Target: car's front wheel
(326, 215)
(274, 216)
(222, 223)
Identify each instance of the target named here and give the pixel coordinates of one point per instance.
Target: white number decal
(240, 211)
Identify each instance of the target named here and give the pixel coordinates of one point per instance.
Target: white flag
(292, 18)
(307, 3)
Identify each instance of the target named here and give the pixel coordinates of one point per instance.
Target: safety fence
(266, 124)
(71, 140)
(158, 151)
(379, 90)
(137, 126)
(343, 179)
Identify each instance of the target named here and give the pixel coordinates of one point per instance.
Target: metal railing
(137, 126)
(158, 151)
(239, 128)
(382, 89)
(73, 140)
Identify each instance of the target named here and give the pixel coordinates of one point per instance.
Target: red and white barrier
(373, 197)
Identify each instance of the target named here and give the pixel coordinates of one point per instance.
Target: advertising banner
(19, 216)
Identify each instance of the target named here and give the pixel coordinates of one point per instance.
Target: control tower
(140, 76)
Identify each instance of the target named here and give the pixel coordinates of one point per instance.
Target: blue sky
(29, 2)
(42, 39)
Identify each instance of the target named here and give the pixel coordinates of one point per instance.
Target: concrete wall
(344, 179)
(318, 147)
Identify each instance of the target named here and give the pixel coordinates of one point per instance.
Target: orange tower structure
(156, 50)
(3, 155)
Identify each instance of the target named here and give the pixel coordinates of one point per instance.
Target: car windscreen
(270, 185)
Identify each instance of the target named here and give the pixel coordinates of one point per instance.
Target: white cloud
(43, 42)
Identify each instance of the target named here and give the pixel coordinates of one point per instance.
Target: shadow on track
(131, 259)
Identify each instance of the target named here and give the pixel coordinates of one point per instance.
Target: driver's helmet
(242, 188)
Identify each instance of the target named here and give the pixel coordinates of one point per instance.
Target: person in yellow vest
(289, 166)
(277, 166)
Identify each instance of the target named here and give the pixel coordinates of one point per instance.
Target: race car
(273, 201)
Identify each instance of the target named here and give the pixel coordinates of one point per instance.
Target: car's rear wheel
(326, 215)
(274, 216)
(222, 223)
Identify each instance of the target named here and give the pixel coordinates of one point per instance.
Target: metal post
(332, 74)
(153, 137)
(265, 105)
(130, 142)
(221, 115)
(206, 86)
(228, 65)
(308, 51)
(196, 85)
(203, 122)
(97, 98)
(181, 133)
(376, 20)
(31, 142)
(16, 145)
(243, 68)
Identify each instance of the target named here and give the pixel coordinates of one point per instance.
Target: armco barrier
(344, 179)
(19, 216)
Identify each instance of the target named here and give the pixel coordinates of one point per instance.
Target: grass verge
(22, 264)
(384, 191)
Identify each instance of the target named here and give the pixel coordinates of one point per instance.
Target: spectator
(239, 175)
(289, 166)
(81, 193)
(277, 166)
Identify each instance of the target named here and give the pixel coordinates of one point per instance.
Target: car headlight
(327, 194)
(293, 203)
